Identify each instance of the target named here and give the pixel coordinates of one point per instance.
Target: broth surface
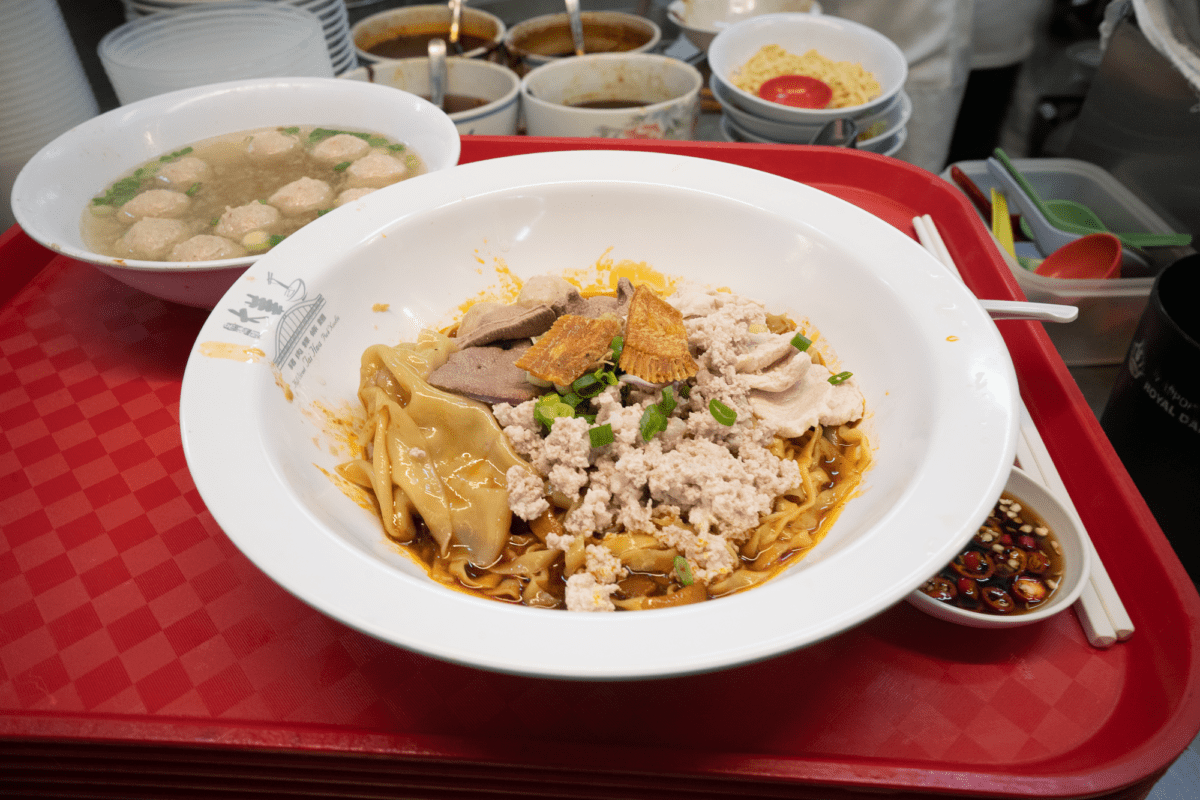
(239, 193)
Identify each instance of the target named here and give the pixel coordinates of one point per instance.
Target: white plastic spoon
(1043, 312)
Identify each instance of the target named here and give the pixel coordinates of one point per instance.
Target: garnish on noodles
(626, 452)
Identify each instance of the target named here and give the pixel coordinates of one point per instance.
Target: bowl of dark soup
(613, 95)
(541, 40)
(405, 33)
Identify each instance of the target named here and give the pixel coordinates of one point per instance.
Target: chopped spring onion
(801, 342)
(667, 404)
(841, 377)
(395, 148)
(652, 423)
(683, 570)
(601, 435)
(175, 155)
(549, 408)
(323, 211)
(588, 386)
(377, 141)
(276, 239)
(191, 192)
(341, 166)
(721, 412)
(617, 345)
(572, 399)
(685, 391)
(292, 130)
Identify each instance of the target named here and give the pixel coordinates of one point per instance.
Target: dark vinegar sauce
(412, 45)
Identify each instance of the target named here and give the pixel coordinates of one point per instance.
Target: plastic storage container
(1109, 310)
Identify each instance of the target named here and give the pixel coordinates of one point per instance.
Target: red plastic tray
(141, 653)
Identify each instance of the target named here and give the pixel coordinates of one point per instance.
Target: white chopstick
(1100, 610)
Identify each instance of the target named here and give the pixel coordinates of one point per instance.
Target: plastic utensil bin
(1109, 310)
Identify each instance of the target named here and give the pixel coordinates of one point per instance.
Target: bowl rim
(764, 108)
(36, 176)
(675, 8)
(594, 646)
(1023, 485)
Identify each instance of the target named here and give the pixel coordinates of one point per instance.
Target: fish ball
(266, 144)
(152, 238)
(184, 173)
(350, 195)
(340, 148)
(375, 170)
(302, 195)
(162, 203)
(206, 247)
(237, 222)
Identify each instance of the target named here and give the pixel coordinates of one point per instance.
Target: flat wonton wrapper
(573, 345)
(656, 347)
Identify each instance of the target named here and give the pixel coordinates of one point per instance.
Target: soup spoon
(437, 73)
(840, 132)
(1042, 312)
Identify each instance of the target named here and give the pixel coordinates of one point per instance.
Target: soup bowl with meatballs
(178, 194)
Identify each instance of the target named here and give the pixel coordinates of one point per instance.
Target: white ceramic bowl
(54, 188)
(669, 88)
(881, 123)
(535, 41)
(472, 77)
(833, 37)
(258, 447)
(425, 19)
(1067, 529)
(702, 20)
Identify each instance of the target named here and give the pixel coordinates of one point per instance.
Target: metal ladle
(456, 26)
(840, 132)
(437, 73)
(576, 23)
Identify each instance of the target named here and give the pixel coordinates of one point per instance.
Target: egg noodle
(851, 83)
(450, 475)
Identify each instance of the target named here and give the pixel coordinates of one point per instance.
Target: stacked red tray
(142, 655)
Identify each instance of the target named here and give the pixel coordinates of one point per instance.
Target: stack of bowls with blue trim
(747, 117)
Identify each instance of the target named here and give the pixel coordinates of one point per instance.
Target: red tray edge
(1028, 343)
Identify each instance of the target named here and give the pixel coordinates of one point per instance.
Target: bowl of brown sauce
(1027, 561)
(405, 32)
(481, 97)
(547, 38)
(613, 95)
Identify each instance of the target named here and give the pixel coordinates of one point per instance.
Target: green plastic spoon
(1073, 217)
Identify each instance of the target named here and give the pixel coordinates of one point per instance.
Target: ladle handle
(456, 24)
(437, 72)
(576, 23)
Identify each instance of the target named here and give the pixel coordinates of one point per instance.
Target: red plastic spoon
(1097, 255)
(800, 91)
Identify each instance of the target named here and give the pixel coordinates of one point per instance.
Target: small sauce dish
(1005, 557)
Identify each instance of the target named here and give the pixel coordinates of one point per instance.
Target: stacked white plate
(44, 92)
(332, 14)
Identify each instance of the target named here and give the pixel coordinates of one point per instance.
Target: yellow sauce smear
(231, 351)
(379, 308)
(282, 384)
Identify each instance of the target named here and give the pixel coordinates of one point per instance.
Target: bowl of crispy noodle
(492, 416)
(864, 68)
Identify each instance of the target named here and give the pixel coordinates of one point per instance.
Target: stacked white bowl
(207, 43)
(44, 92)
(332, 14)
(881, 121)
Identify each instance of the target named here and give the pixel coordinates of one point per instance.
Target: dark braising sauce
(412, 45)
(602, 104)
(453, 103)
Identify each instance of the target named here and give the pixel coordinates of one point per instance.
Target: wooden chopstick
(1101, 613)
